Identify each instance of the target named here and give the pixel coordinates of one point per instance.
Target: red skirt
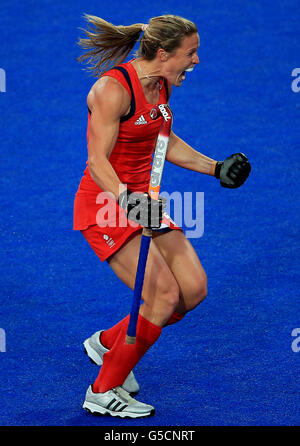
(105, 241)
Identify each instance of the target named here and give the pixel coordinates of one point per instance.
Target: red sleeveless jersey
(131, 157)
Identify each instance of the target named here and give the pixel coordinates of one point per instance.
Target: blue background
(229, 362)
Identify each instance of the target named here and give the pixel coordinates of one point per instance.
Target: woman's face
(181, 59)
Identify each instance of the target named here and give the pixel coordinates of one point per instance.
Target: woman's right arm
(108, 101)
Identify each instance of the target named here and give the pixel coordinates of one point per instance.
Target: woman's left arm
(183, 155)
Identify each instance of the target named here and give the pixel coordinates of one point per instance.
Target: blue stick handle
(139, 280)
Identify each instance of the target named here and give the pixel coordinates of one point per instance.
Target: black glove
(142, 209)
(234, 171)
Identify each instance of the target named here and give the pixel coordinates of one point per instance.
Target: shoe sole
(94, 409)
(92, 354)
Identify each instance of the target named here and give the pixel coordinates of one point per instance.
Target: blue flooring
(230, 362)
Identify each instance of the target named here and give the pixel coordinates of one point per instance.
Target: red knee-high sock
(122, 357)
(176, 317)
(109, 336)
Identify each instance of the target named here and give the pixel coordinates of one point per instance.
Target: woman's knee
(160, 304)
(168, 294)
(197, 291)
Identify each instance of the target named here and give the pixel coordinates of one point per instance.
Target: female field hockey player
(122, 130)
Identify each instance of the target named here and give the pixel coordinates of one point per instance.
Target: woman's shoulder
(107, 88)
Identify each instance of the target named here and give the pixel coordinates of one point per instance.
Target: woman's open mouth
(182, 75)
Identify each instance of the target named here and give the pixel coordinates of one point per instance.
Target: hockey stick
(154, 187)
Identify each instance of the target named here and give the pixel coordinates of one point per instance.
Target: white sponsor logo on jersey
(141, 120)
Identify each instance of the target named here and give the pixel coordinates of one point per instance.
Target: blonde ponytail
(106, 44)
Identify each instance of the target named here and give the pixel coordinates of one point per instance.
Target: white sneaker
(95, 351)
(117, 403)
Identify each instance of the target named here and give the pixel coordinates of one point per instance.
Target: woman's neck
(148, 73)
